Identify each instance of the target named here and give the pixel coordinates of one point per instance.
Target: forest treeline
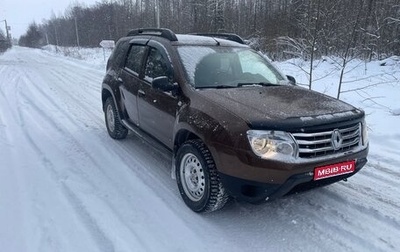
(283, 28)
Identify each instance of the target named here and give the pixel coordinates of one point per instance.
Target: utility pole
(7, 30)
(158, 13)
(77, 34)
(55, 33)
(47, 38)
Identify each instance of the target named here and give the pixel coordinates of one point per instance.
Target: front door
(157, 109)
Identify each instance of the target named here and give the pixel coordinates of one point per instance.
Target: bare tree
(315, 27)
(350, 48)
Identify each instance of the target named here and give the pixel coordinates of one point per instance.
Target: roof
(210, 39)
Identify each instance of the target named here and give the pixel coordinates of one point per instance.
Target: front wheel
(197, 178)
(113, 123)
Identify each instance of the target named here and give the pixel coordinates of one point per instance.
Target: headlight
(272, 144)
(364, 133)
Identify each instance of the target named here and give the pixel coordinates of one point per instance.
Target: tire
(197, 178)
(113, 123)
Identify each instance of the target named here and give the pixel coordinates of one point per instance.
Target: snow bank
(96, 57)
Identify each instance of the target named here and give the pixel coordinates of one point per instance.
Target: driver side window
(156, 66)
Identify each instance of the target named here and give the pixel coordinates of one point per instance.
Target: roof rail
(228, 36)
(161, 32)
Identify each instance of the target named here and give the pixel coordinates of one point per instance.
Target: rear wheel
(197, 178)
(113, 123)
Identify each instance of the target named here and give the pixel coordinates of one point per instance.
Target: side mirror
(291, 79)
(162, 83)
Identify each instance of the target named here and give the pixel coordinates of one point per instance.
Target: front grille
(318, 144)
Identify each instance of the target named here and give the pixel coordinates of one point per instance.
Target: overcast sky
(20, 13)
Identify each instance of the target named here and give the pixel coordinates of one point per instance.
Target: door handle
(141, 93)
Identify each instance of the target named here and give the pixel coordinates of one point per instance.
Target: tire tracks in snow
(366, 217)
(72, 104)
(348, 211)
(102, 240)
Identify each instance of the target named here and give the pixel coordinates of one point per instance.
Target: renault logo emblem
(336, 139)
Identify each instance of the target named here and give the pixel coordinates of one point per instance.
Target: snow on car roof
(187, 39)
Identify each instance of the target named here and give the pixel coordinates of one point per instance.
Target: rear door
(130, 79)
(157, 109)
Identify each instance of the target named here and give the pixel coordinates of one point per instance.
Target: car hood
(261, 106)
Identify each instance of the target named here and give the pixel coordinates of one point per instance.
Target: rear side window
(135, 56)
(118, 55)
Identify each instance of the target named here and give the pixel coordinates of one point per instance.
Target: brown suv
(235, 125)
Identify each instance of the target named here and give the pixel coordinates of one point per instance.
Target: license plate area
(334, 170)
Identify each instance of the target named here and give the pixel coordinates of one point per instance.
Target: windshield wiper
(264, 84)
(218, 86)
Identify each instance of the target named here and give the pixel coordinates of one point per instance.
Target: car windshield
(225, 67)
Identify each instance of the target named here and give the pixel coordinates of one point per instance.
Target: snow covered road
(66, 186)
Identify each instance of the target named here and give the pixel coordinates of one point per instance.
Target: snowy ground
(66, 186)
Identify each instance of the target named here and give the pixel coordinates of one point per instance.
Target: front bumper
(257, 180)
(256, 192)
